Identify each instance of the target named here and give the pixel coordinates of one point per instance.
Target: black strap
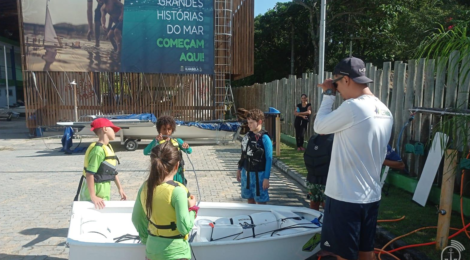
(252, 226)
(79, 188)
(112, 157)
(257, 184)
(172, 237)
(248, 174)
(172, 226)
(173, 183)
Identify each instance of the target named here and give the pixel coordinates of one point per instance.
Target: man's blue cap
(354, 68)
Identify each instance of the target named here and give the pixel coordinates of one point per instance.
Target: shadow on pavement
(43, 234)
(283, 190)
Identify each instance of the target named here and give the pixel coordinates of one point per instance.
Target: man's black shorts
(118, 26)
(349, 227)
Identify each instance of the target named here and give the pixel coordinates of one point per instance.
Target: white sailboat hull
(88, 228)
(136, 129)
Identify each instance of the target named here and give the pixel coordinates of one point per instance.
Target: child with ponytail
(164, 211)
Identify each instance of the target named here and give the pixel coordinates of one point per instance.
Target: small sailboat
(228, 231)
(50, 35)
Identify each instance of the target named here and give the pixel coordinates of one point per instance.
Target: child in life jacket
(164, 211)
(254, 167)
(99, 167)
(166, 126)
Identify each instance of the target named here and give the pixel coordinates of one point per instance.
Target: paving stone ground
(38, 183)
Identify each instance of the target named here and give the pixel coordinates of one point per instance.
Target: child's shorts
(250, 193)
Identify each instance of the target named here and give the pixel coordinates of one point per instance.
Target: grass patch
(293, 158)
(397, 204)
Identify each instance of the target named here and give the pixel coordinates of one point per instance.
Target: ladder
(223, 96)
(229, 101)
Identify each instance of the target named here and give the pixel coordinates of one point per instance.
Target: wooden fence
(418, 83)
(51, 98)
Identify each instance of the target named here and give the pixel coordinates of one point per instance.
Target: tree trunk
(314, 35)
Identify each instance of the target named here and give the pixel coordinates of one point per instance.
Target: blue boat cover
(221, 126)
(143, 117)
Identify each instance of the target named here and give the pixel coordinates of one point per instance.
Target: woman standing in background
(302, 117)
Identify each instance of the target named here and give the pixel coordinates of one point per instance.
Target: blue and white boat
(136, 127)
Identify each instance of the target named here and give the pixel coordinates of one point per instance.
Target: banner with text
(149, 36)
(168, 36)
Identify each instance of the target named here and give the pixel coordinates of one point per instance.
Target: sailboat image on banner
(50, 35)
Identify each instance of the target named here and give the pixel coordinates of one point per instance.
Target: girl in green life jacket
(164, 211)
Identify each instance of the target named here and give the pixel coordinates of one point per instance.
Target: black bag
(317, 156)
(106, 172)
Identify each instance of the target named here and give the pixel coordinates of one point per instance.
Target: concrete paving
(38, 183)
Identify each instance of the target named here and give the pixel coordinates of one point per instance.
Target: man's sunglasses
(336, 80)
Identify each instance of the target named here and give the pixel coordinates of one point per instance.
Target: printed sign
(150, 36)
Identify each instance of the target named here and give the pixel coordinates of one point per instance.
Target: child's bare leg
(118, 38)
(111, 39)
(89, 12)
(251, 201)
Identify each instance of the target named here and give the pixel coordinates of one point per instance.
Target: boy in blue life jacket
(100, 165)
(254, 167)
(166, 126)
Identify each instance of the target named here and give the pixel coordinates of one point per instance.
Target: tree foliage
(379, 31)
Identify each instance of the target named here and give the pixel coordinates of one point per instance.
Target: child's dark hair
(163, 160)
(166, 120)
(303, 95)
(255, 114)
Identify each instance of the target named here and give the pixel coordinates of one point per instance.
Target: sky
(262, 6)
(34, 10)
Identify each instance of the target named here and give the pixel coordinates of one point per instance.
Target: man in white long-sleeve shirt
(362, 126)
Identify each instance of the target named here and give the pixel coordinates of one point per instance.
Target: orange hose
(414, 231)
(465, 227)
(380, 251)
(430, 243)
(391, 220)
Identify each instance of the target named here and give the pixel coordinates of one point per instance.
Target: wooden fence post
(409, 98)
(464, 83)
(447, 192)
(400, 93)
(452, 79)
(386, 84)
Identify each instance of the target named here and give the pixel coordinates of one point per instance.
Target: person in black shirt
(317, 159)
(302, 116)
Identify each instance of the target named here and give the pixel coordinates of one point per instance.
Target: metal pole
(76, 108)
(74, 85)
(6, 75)
(321, 62)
